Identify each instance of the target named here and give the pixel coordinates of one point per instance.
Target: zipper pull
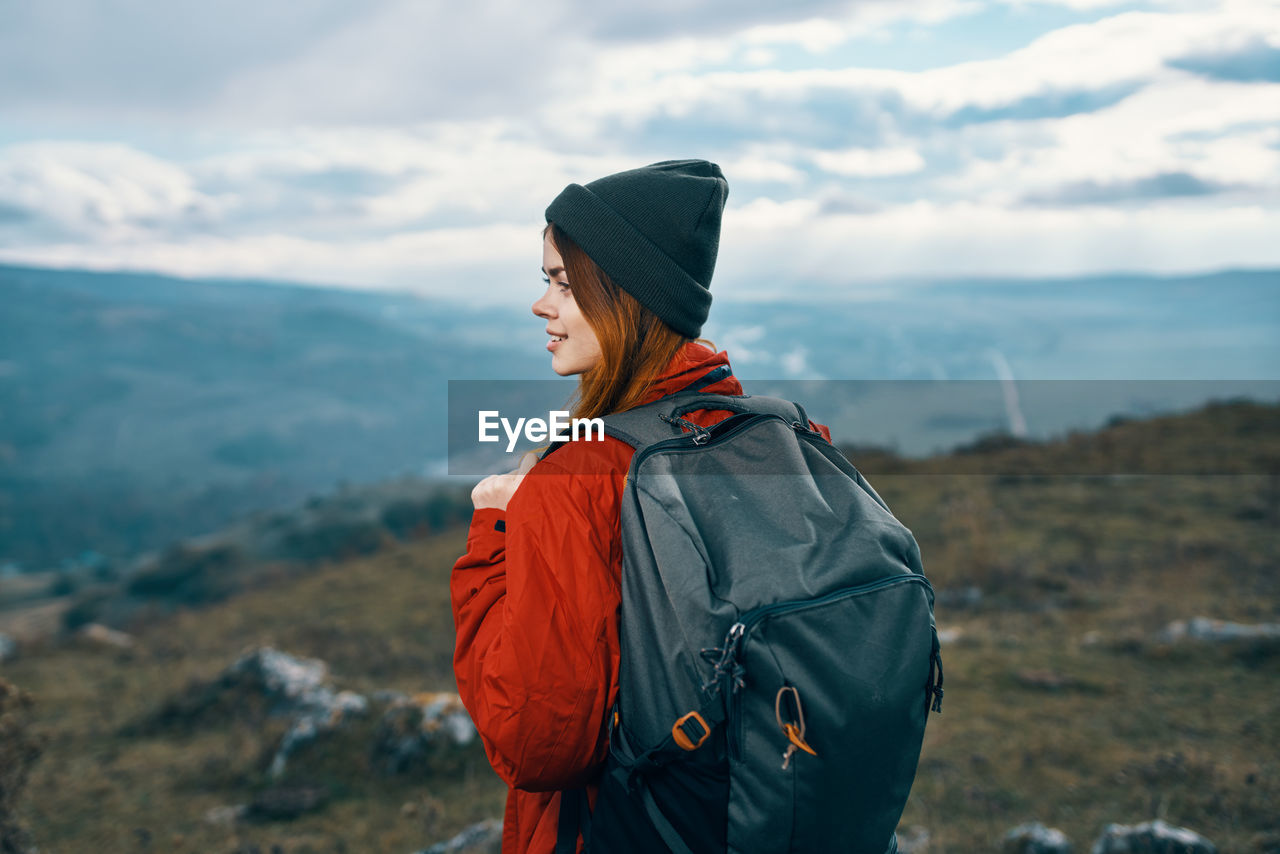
(726, 673)
(793, 730)
(700, 434)
(796, 737)
(934, 688)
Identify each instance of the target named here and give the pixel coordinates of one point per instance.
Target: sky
(411, 145)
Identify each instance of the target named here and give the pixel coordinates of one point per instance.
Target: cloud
(486, 263)
(12, 214)
(1046, 105)
(847, 203)
(831, 253)
(651, 100)
(658, 19)
(1172, 127)
(411, 144)
(77, 59)
(864, 162)
(768, 247)
(241, 63)
(1254, 61)
(102, 190)
(408, 61)
(1166, 185)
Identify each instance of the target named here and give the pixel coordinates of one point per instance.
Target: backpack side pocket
(825, 731)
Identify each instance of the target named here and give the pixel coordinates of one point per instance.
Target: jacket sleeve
(535, 607)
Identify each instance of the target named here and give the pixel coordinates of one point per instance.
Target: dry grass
(1079, 575)
(1060, 706)
(380, 623)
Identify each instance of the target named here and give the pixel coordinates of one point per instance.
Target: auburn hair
(635, 344)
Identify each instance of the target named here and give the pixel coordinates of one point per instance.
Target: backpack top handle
(686, 403)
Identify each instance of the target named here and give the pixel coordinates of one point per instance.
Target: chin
(564, 370)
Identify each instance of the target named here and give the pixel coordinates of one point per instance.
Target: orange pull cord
(793, 731)
(795, 737)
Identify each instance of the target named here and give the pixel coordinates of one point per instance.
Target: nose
(542, 306)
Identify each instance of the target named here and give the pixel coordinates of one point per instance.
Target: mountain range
(139, 408)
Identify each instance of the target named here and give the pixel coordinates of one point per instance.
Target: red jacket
(535, 604)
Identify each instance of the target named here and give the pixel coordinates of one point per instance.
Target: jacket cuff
(488, 530)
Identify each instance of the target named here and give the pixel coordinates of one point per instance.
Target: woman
(628, 261)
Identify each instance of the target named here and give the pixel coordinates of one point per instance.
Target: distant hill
(134, 408)
(137, 409)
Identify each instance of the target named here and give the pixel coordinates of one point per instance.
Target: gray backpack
(778, 649)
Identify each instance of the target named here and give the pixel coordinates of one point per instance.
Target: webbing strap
(712, 711)
(712, 377)
(632, 770)
(575, 817)
(660, 823)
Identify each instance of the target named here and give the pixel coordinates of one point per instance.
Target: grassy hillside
(380, 623)
(1062, 704)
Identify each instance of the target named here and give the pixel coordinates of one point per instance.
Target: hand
(496, 489)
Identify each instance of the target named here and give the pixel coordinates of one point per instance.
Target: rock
(1045, 680)
(1217, 631)
(103, 636)
(414, 728)
(281, 673)
(1035, 838)
(913, 840)
(287, 802)
(946, 636)
(444, 717)
(482, 838)
(263, 682)
(317, 713)
(8, 647)
(963, 597)
(226, 816)
(1154, 837)
(300, 687)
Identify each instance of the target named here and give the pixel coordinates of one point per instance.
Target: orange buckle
(682, 738)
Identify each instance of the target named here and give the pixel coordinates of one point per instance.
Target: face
(573, 345)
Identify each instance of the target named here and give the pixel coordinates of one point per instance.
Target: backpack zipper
(691, 442)
(737, 636)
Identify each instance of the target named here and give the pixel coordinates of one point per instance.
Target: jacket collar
(695, 367)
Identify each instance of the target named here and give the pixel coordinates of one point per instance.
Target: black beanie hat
(655, 231)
